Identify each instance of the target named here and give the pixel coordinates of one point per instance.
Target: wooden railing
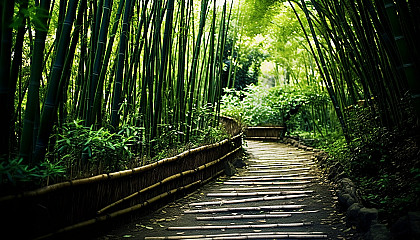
(65, 206)
(264, 133)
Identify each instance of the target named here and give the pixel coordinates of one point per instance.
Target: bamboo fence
(73, 204)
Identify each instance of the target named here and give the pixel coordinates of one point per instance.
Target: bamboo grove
(152, 64)
(366, 53)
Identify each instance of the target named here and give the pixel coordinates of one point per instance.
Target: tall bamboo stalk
(28, 137)
(116, 101)
(51, 102)
(6, 90)
(324, 72)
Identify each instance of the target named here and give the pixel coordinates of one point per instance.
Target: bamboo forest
(110, 106)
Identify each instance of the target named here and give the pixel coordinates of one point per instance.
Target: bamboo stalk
(272, 225)
(269, 176)
(243, 216)
(262, 167)
(259, 208)
(263, 234)
(282, 161)
(295, 212)
(278, 164)
(264, 188)
(256, 193)
(265, 183)
(168, 179)
(114, 175)
(260, 235)
(248, 200)
(280, 170)
(271, 179)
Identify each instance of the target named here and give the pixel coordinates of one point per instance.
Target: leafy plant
(87, 151)
(15, 171)
(281, 105)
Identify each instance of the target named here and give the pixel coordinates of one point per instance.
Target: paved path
(281, 194)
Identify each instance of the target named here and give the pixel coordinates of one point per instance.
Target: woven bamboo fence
(264, 133)
(73, 204)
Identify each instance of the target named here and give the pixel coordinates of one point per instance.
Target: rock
(367, 217)
(334, 170)
(346, 185)
(378, 232)
(345, 199)
(342, 175)
(353, 212)
(346, 182)
(239, 163)
(230, 170)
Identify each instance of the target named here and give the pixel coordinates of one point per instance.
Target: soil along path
(280, 194)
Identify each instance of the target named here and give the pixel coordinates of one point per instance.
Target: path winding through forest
(280, 194)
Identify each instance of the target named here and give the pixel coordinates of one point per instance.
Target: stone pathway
(281, 194)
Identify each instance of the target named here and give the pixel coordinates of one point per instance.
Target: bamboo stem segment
(270, 176)
(295, 212)
(272, 179)
(249, 200)
(264, 188)
(261, 235)
(266, 183)
(234, 209)
(273, 225)
(256, 193)
(243, 216)
(280, 170)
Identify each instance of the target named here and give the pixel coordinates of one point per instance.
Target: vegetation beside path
(350, 67)
(91, 87)
(99, 86)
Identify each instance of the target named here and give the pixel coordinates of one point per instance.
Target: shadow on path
(280, 194)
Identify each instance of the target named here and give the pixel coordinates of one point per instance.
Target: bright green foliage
(353, 65)
(86, 151)
(15, 172)
(282, 106)
(77, 75)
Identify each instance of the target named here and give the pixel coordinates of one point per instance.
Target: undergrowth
(383, 163)
(80, 151)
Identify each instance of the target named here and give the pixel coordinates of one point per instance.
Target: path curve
(280, 194)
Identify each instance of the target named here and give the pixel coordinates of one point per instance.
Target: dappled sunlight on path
(280, 194)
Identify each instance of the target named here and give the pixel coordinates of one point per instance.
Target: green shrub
(86, 151)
